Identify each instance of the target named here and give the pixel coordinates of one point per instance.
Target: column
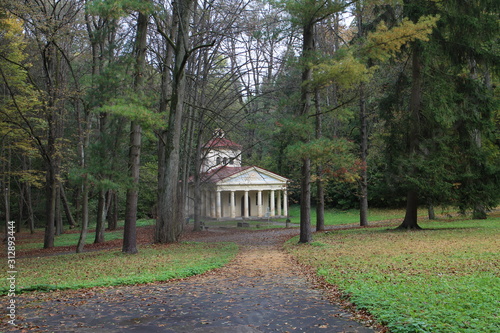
(278, 203)
(206, 204)
(245, 204)
(218, 204)
(273, 204)
(233, 205)
(285, 203)
(213, 212)
(259, 203)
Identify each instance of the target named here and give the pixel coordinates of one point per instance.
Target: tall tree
(429, 131)
(129, 231)
(48, 24)
(170, 204)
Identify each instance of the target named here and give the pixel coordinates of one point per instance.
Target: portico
(248, 192)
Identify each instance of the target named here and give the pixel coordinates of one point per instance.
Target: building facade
(229, 190)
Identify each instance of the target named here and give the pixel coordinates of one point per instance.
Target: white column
(245, 204)
(273, 204)
(259, 203)
(206, 204)
(218, 204)
(278, 203)
(213, 212)
(233, 205)
(285, 203)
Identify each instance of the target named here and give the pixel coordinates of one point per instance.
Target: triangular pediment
(253, 176)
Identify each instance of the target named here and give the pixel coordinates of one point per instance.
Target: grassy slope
(111, 267)
(442, 279)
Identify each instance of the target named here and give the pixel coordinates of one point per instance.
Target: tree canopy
(105, 106)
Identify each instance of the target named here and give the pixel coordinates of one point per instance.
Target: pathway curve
(259, 291)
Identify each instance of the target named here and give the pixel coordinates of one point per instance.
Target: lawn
(111, 267)
(445, 278)
(71, 238)
(351, 216)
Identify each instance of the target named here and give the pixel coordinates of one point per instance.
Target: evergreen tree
(442, 110)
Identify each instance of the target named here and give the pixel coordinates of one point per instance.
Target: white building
(232, 191)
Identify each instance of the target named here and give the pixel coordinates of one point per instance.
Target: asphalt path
(262, 290)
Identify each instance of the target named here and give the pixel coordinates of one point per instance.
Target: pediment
(253, 176)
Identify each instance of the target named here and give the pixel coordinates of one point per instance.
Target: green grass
(111, 267)
(351, 216)
(442, 279)
(71, 239)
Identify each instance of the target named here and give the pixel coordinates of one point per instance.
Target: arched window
(217, 161)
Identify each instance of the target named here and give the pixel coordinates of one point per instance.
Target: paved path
(260, 291)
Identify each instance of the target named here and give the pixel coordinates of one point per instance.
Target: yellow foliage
(19, 101)
(384, 42)
(345, 72)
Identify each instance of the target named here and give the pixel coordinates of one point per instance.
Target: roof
(221, 173)
(221, 143)
(242, 175)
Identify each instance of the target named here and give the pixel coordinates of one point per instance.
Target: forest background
(106, 104)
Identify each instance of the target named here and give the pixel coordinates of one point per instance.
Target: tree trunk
(197, 186)
(320, 206)
(58, 214)
(29, 204)
(430, 210)
(166, 92)
(85, 215)
(479, 212)
(363, 182)
(84, 139)
(101, 217)
(410, 221)
(21, 205)
(305, 203)
(363, 146)
(129, 231)
(26, 196)
(50, 197)
(170, 210)
(67, 210)
(113, 209)
(320, 193)
(305, 183)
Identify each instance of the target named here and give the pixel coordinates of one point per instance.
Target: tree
(307, 14)
(46, 25)
(129, 232)
(437, 115)
(170, 203)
